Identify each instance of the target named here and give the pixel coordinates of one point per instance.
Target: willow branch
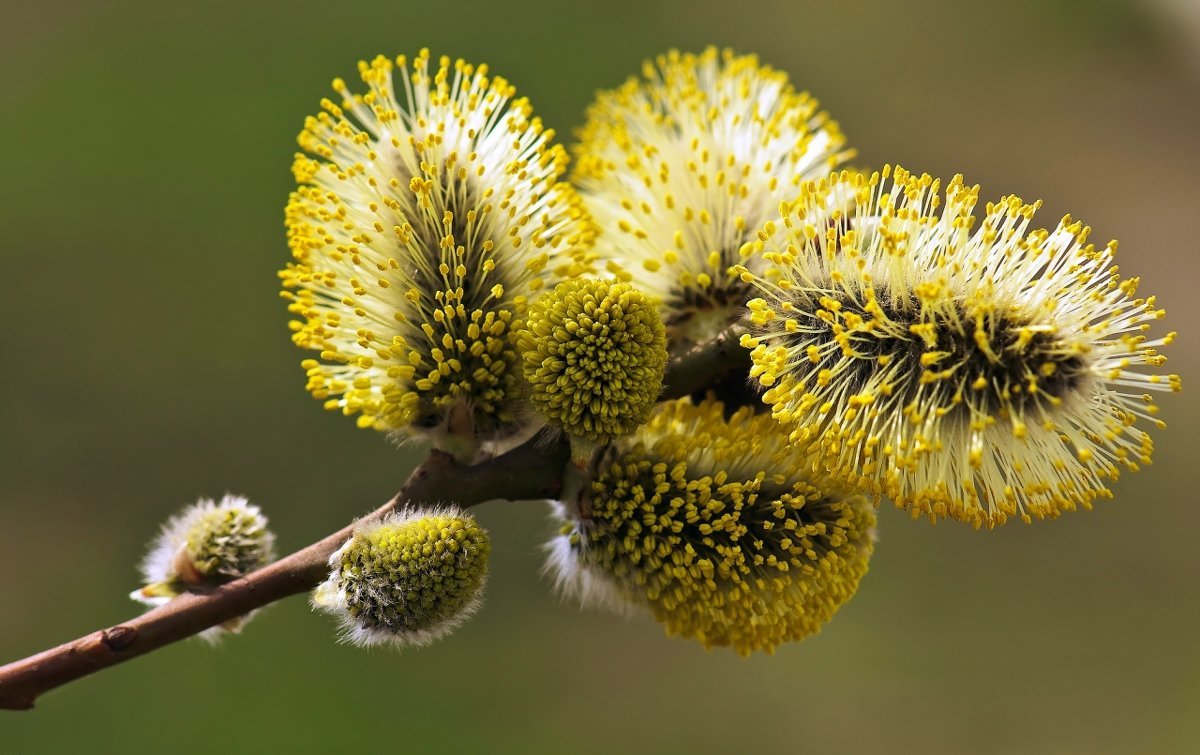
(707, 364)
(531, 471)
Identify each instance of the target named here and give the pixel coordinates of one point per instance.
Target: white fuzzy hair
(578, 582)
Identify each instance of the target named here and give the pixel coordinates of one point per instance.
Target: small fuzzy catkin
(409, 579)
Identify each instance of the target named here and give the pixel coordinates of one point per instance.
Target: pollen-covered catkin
(978, 372)
(680, 168)
(722, 532)
(428, 211)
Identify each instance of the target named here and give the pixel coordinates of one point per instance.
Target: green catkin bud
(206, 545)
(410, 579)
(594, 353)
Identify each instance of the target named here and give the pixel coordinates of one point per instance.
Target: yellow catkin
(974, 370)
(681, 167)
(428, 211)
(714, 525)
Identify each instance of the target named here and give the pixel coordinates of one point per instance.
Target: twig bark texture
(532, 471)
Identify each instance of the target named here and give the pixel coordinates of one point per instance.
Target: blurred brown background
(145, 156)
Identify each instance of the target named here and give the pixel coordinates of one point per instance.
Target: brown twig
(706, 364)
(531, 471)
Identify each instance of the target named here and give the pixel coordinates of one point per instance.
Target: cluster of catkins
(456, 286)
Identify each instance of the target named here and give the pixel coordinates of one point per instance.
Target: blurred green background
(145, 156)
